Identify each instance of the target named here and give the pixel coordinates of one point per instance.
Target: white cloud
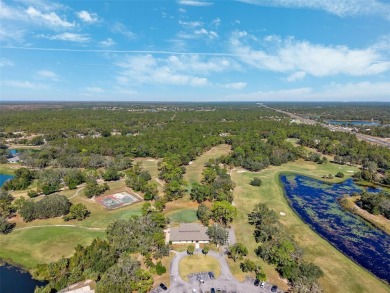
(107, 42)
(204, 32)
(50, 19)
(338, 7)
(290, 55)
(71, 37)
(94, 90)
(146, 69)
(44, 5)
(5, 62)
(190, 24)
(12, 34)
(22, 84)
(8, 12)
(47, 74)
(200, 65)
(235, 85)
(195, 3)
(216, 22)
(87, 17)
(296, 76)
(360, 91)
(120, 28)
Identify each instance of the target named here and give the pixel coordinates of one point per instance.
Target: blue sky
(192, 50)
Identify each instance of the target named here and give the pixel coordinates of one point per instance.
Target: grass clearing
(8, 169)
(198, 263)
(183, 216)
(341, 274)
(43, 245)
(46, 244)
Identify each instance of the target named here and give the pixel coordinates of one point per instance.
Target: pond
(316, 204)
(13, 279)
(13, 152)
(353, 122)
(4, 178)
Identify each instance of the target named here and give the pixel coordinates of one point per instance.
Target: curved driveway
(226, 281)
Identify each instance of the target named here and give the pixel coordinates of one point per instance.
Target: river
(316, 203)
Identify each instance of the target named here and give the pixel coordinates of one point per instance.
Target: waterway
(353, 122)
(13, 279)
(316, 203)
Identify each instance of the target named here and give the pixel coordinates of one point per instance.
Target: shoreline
(348, 203)
(317, 233)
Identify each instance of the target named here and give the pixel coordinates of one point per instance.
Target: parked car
(162, 286)
(211, 275)
(212, 290)
(256, 283)
(274, 288)
(219, 290)
(262, 284)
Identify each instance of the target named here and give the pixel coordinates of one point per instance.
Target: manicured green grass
(183, 216)
(42, 245)
(8, 169)
(198, 263)
(341, 274)
(34, 245)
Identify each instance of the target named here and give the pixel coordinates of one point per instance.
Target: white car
(262, 284)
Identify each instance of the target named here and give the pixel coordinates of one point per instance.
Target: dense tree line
(216, 187)
(380, 131)
(277, 247)
(92, 188)
(375, 203)
(6, 209)
(323, 111)
(112, 262)
(141, 180)
(171, 171)
(257, 136)
(23, 178)
(50, 206)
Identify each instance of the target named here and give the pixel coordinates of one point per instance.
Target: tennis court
(117, 200)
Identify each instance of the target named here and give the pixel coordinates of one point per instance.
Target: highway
(368, 138)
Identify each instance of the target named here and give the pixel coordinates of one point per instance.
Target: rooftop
(189, 232)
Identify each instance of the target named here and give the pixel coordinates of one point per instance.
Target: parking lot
(203, 282)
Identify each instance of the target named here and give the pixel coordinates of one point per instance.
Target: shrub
(78, 211)
(32, 193)
(256, 181)
(160, 269)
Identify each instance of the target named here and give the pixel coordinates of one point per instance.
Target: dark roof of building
(189, 232)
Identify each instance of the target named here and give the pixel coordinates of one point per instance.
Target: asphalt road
(368, 138)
